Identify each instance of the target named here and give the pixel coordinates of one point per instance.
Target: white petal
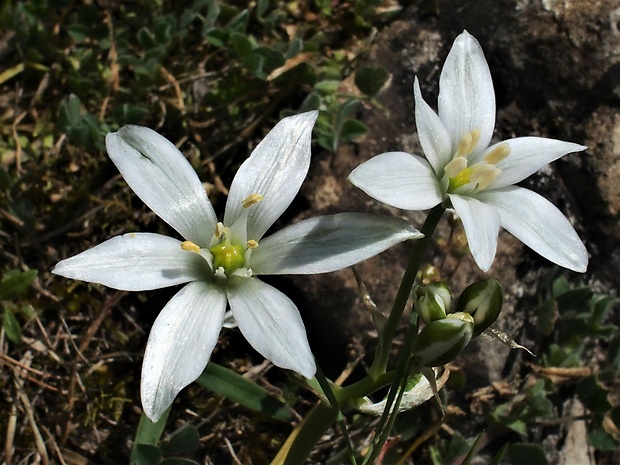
(271, 323)
(180, 344)
(481, 223)
(434, 138)
(540, 225)
(275, 170)
(398, 179)
(327, 243)
(528, 155)
(466, 95)
(134, 262)
(164, 180)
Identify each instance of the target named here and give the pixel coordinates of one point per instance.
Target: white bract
(219, 260)
(463, 172)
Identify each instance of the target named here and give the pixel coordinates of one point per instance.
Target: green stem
(396, 392)
(383, 349)
(331, 396)
(364, 386)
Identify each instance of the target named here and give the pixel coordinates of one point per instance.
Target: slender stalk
(396, 392)
(383, 349)
(327, 389)
(364, 386)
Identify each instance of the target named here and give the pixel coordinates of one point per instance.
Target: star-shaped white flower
(219, 261)
(463, 172)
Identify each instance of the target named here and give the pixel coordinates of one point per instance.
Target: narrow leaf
(11, 327)
(149, 432)
(235, 387)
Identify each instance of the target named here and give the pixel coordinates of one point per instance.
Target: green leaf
(272, 58)
(235, 387)
(327, 87)
(146, 38)
(149, 432)
(129, 114)
(241, 44)
(11, 327)
(240, 22)
(217, 37)
(16, 282)
(145, 454)
(70, 112)
(575, 299)
(325, 6)
(254, 63)
(311, 102)
(527, 454)
(547, 316)
(592, 395)
(261, 8)
(183, 440)
(371, 79)
(27, 311)
(601, 439)
(352, 129)
(559, 286)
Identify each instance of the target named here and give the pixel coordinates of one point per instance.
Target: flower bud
(483, 300)
(441, 340)
(433, 302)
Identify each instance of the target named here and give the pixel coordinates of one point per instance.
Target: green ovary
(228, 256)
(461, 179)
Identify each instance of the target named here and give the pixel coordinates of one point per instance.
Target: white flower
(463, 172)
(219, 261)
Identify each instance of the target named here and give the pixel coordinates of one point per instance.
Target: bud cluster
(445, 334)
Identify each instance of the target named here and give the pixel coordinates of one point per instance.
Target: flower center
(228, 256)
(462, 177)
(230, 249)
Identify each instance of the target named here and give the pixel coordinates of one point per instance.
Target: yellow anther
(488, 177)
(251, 199)
(252, 244)
(468, 142)
(457, 165)
(190, 246)
(497, 154)
(219, 230)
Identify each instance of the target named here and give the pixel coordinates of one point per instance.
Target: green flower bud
(441, 340)
(483, 300)
(433, 302)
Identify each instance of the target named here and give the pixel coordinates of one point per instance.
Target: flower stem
(383, 349)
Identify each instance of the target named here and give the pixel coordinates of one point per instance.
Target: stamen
(219, 230)
(497, 154)
(468, 142)
(190, 247)
(252, 199)
(457, 165)
(486, 180)
(252, 244)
